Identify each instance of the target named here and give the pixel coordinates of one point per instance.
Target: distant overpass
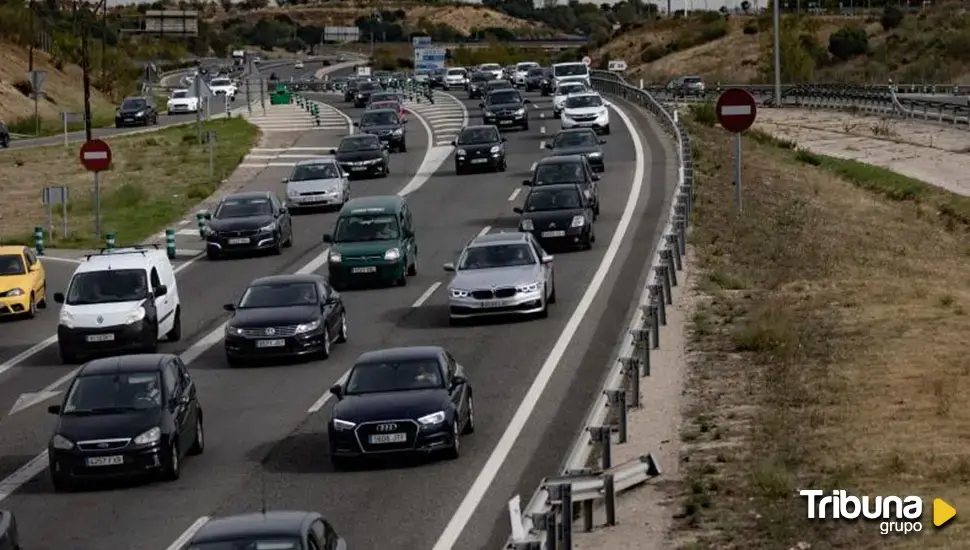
(538, 43)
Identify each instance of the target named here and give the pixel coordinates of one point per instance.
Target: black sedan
(248, 222)
(505, 109)
(126, 416)
(387, 125)
(558, 215)
(363, 155)
(568, 169)
(401, 400)
(580, 141)
(285, 316)
(479, 147)
(136, 111)
(534, 78)
(477, 83)
(363, 93)
(275, 530)
(350, 89)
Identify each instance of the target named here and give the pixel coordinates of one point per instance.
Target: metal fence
(546, 522)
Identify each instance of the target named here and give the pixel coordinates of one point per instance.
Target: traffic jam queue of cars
(130, 410)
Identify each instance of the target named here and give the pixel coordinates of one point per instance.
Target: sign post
(96, 157)
(68, 118)
(587, 61)
(736, 111)
(37, 88)
(52, 196)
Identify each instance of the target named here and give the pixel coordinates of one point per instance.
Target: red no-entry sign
(96, 155)
(736, 110)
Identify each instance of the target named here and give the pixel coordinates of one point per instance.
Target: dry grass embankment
(828, 348)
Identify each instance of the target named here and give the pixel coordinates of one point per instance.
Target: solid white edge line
(187, 535)
(427, 294)
(449, 537)
(515, 194)
(322, 400)
(65, 260)
(485, 230)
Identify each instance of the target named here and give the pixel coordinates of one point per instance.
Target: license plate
(359, 168)
(479, 161)
(129, 120)
(559, 233)
(270, 343)
(367, 269)
(493, 303)
(378, 439)
(505, 122)
(100, 337)
(239, 240)
(105, 460)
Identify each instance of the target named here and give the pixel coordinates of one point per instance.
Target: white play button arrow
(27, 400)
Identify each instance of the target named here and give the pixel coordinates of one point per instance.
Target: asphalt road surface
(265, 427)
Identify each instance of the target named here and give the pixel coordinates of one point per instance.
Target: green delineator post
(170, 243)
(200, 221)
(110, 241)
(39, 240)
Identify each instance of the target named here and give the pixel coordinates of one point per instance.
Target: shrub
(892, 17)
(652, 54)
(848, 42)
(750, 28)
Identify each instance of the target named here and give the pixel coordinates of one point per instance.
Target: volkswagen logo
(270, 331)
(102, 445)
(100, 319)
(553, 224)
(387, 427)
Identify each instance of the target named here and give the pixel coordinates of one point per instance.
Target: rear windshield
(573, 69)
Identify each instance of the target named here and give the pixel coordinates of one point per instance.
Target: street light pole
(776, 17)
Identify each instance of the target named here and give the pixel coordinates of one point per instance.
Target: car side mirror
(526, 182)
(527, 100)
(596, 177)
(161, 290)
(448, 266)
(504, 139)
(517, 209)
(327, 238)
(229, 307)
(357, 124)
(547, 146)
(333, 151)
(547, 258)
(285, 180)
(54, 409)
(457, 380)
(481, 105)
(337, 391)
(602, 142)
(332, 300)
(454, 143)
(405, 121)
(346, 174)
(283, 210)
(34, 268)
(59, 297)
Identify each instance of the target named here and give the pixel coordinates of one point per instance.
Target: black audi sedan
(568, 169)
(285, 316)
(505, 109)
(479, 147)
(126, 416)
(401, 400)
(248, 222)
(477, 83)
(363, 93)
(558, 215)
(136, 111)
(363, 155)
(271, 530)
(580, 141)
(387, 125)
(350, 89)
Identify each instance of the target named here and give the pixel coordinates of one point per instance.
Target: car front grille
(244, 233)
(367, 429)
(104, 444)
(268, 332)
(363, 258)
(584, 118)
(506, 292)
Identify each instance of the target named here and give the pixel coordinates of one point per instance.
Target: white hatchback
(563, 91)
(317, 183)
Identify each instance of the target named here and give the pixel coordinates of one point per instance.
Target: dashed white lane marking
(185, 537)
(427, 294)
(485, 230)
(514, 194)
(322, 400)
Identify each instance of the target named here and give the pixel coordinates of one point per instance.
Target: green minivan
(372, 243)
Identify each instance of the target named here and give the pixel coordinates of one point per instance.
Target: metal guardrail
(547, 520)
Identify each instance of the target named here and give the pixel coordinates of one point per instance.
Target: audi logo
(387, 427)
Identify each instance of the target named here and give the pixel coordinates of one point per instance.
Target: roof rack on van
(137, 249)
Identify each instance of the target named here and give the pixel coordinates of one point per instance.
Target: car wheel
(606, 130)
(32, 307)
(42, 303)
(175, 334)
(545, 309)
(61, 483)
(152, 345)
(289, 239)
(340, 463)
(413, 268)
(278, 247)
(403, 148)
(455, 450)
(552, 295)
(325, 352)
(470, 421)
(458, 169)
(342, 336)
(211, 255)
(173, 464)
(198, 443)
(234, 362)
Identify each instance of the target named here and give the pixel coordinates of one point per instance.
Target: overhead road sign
(430, 57)
(341, 34)
(617, 66)
(96, 155)
(172, 22)
(419, 42)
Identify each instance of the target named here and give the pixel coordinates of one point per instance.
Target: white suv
(586, 110)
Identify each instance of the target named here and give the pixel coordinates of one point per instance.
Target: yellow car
(23, 283)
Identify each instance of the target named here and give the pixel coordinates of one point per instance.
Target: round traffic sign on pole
(96, 155)
(736, 110)
(587, 61)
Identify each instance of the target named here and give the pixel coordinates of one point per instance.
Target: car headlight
(67, 319)
(269, 227)
(343, 425)
(61, 442)
(399, 131)
(234, 331)
(149, 437)
(140, 113)
(461, 152)
(526, 225)
(603, 113)
(578, 221)
(308, 327)
(433, 418)
(292, 193)
(489, 114)
(12, 293)
(135, 315)
(392, 254)
(524, 289)
(595, 155)
(520, 112)
(335, 257)
(495, 149)
(458, 293)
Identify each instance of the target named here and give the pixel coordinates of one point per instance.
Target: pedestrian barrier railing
(547, 520)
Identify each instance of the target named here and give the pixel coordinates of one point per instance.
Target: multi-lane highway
(266, 427)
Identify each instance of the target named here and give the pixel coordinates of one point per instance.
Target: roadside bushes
(848, 42)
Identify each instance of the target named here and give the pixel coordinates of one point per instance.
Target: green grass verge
(100, 118)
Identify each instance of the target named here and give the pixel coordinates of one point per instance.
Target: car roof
(141, 362)
(392, 111)
(399, 354)
(119, 258)
(361, 136)
(560, 159)
(276, 523)
(248, 195)
(556, 187)
(287, 278)
(576, 131)
(388, 203)
(480, 127)
(586, 94)
(322, 159)
(12, 249)
(499, 238)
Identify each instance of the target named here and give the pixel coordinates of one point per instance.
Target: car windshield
(556, 199)
(537, 72)
(279, 295)
(132, 104)
(577, 69)
(571, 89)
(582, 101)
(317, 171)
(526, 66)
(379, 118)
(354, 229)
(456, 72)
(359, 144)
(692, 80)
(503, 97)
(243, 208)
(383, 97)
(178, 94)
(382, 105)
(496, 255)
(111, 285)
(249, 543)
(491, 67)
(115, 392)
(12, 264)
(575, 139)
(560, 172)
(482, 77)
(368, 86)
(220, 82)
(410, 374)
(475, 136)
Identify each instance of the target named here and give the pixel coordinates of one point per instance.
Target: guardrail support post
(617, 400)
(587, 516)
(680, 223)
(667, 256)
(609, 499)
(604, 436)
(567, 517)
(641, 340)
(664, 276)
(550, 527)
(657, 298)
(673, 243)
(631, 370)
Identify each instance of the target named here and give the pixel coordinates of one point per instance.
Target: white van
(578, 71)
(120, 300)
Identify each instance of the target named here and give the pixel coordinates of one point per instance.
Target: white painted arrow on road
(27, 400)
